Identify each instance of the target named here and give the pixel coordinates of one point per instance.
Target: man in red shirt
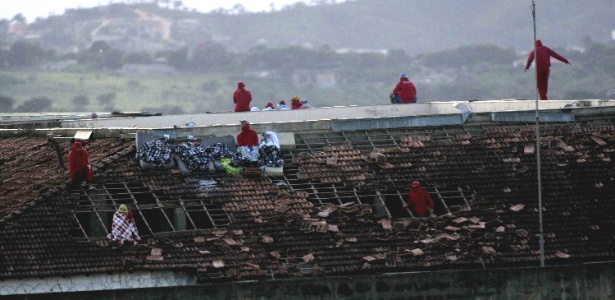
(543, 64)
(242, 98)
(404, 91)
(419, 201)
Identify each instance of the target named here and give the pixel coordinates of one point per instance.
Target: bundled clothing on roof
(242, 98)
(123, 228)
(156, 153)
(269, 153)
(79, 165)
(419, 201)
(194, 157)
(543, 65)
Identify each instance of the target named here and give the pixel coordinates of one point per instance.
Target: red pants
(542, 82)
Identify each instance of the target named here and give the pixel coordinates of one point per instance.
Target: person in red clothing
(419, 201)
(242, 98)
(247, 137)
(78, 164)
(543, 64)
(404, 91)
(295, 103)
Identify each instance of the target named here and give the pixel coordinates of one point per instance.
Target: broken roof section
(336, 210)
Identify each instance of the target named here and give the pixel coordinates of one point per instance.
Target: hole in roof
(153, 214)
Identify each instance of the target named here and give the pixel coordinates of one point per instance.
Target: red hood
(538, 43)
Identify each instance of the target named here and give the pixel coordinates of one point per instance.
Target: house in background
(332, 225)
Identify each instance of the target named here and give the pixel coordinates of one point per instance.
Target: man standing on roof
(543, 65)
(242, 98)
(419, 201)
(404, 91)
(124, 228)
(79, 167)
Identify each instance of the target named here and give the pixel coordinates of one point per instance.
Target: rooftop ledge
(340, 118)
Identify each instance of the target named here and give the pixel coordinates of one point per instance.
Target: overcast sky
(33, 9)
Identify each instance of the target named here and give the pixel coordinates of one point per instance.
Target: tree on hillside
(178, 58)
(24, 53)
(36, 104)
(107, 100)
(210, 56)
(81, 100)
(99, 47)
(6, 104)
(19, 18)
(113, 59)
(140, 57)
(468, 55)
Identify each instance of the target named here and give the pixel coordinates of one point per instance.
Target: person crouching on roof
(79, 165)
(124, 228)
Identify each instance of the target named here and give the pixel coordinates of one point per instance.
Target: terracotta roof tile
(337, 210)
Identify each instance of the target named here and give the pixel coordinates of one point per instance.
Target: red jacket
(242, 98)
(295, 105)
(543, 56)
(247, 137)
(406, 90)
(419, 201)
(77, 160)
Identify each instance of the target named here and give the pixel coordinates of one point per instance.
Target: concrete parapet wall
(586, 281)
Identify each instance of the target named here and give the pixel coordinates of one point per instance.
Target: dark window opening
(394, 204)
(144, 198)
(201, 219)
(152, 214)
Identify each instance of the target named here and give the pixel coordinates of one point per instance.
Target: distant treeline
(474, 72)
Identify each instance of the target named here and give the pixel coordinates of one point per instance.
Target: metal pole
(540, 232)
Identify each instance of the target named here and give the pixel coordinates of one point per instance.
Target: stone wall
(587, 281)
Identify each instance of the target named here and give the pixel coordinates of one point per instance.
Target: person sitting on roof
(79, 167)
(124, 228)
(247, 145)
(247, 137)
(295, 103)
(304, 103)
(282, 105)
(404, 91)
(242, 98)
(419, 201)
(269, 106)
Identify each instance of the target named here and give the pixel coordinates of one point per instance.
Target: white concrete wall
(327, 113)
(96, 282)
